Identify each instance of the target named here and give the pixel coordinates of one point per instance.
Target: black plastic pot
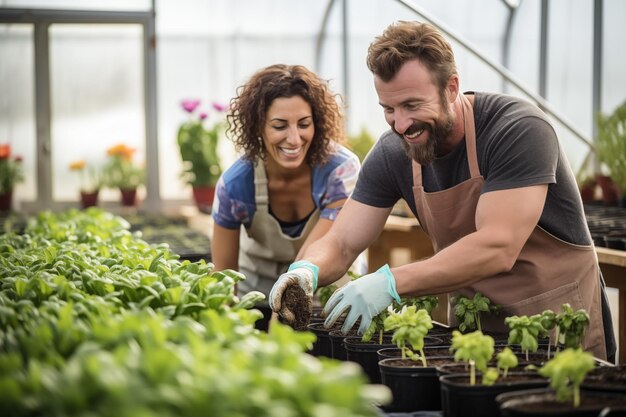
(460, 399)
(321, 347)
(414, 387)
(338, 349)
(364, 353)
(542, 402)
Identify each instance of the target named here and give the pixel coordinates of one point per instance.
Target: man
(489, 183)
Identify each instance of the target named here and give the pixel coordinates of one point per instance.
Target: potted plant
(89, 183)
(611, 149)
(413, 383)
(11, 173)
(121, 172)
(461, 395)
(198, 150)
(566, 371)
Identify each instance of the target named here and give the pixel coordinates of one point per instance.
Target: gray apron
(265, 251)
(548, 272)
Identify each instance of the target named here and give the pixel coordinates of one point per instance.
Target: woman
(288, 126)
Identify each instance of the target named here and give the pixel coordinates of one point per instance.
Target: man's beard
(438, 133)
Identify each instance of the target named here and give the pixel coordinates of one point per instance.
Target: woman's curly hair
(248, 110)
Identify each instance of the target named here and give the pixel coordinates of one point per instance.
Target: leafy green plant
(525, 331)
(198, 145)
(409, 326)
(425, 302)
(567, 371)
(93, 320)
(475, 349)
(611, 145)
(506, 359)
(549, 322)
(11, 169)
(468, 310)
(571, 326)
(119, 170)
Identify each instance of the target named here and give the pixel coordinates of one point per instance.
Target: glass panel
(97, 98)
(109, 5)
(17, 102)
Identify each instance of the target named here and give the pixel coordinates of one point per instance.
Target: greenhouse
(383, 208)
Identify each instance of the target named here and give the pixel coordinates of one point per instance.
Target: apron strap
(260, 187)
(470, 137)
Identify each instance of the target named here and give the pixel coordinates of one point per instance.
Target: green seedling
(409, 327)
(474, 348)
(506, 359)
(571, 326)
(525, 331)
(468, 310)
(549, 321)
(567, 371)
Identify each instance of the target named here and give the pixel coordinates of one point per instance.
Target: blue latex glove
(302, 273)
(366, 297)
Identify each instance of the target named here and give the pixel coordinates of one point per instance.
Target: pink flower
(203, 115)
(190, 105)
(220, 107)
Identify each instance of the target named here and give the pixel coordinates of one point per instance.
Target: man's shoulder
(505, 106)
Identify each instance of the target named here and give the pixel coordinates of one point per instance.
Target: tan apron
(548, 272)
(265, 251)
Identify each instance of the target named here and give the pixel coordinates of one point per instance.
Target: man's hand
(365, 297)
(301, 273)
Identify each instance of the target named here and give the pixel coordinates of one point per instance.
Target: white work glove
(302, 273)
(365, 297)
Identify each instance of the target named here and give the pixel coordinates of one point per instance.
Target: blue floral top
(234, 203)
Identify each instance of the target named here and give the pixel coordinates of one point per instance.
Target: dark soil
(610, 378)
(430, 362)
(546, 403)
(296, 308)
(462, 367)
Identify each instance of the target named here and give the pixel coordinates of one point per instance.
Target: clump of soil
(297, 308)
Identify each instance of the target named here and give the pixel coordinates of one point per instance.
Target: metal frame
(42, 19)
(500, 69)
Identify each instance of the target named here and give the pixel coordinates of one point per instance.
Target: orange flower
(122, 151)
(5, 151)
(77, 165)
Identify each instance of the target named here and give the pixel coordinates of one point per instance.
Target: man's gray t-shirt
(516, 146)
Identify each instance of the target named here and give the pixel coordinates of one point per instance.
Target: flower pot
(542, 402)
(6, 201)
(364, 353)
(321, 347)
(610, 193)
(414, 387)
(89, 199)
(460, 399)
(337, 347)
(203, 196)
(129, 196)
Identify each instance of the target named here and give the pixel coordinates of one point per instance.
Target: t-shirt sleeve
(376, 186)
(228, 211)
(339, 185)
(525, 153)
